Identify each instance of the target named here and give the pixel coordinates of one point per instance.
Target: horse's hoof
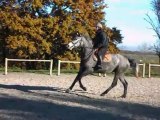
(102, 94)
(123, 96)
(84, 88)
(68, 91)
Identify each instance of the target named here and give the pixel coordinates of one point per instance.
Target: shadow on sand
(55, 106)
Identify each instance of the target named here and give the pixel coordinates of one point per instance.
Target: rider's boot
(99, 62)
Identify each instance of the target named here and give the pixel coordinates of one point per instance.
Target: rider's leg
(100, 56)
(99, 62)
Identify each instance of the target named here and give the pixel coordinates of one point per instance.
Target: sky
(128, 16)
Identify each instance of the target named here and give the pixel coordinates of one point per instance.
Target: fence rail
(143, 69)
(60, 61)
(149, 70)
(59, 65)
(25, 60)
(76, 62)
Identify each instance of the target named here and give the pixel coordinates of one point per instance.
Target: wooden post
(59, 67)
(6, 66)
(149, 71)
(51, 65)
(144, 71)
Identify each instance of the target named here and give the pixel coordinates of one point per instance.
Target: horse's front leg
(81, 73)
(85, 72)
(72, 85)
(81, 85)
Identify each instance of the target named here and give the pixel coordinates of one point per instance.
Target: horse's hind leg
(125, 84)
(114, 83)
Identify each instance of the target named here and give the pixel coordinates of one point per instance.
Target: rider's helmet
(99, 25)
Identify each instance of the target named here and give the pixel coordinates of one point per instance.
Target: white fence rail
(59, 66)
(25, 60)
(149, 70)
(143, 69)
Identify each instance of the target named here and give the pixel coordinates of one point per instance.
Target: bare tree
(157, 49)
(155, 24)
(144, 47)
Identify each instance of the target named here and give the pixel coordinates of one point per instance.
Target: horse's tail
(134, 65)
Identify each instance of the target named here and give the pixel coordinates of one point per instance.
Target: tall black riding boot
(99, 62)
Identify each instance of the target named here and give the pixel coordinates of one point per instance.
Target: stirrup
(97, 67)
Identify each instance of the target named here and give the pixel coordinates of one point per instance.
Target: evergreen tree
(39, 29)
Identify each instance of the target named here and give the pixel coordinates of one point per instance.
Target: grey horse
(118, 64)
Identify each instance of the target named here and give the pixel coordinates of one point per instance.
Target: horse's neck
(87, 51)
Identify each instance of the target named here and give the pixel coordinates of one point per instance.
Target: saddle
(107, 57)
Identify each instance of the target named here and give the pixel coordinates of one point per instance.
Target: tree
(144, 47)
(155, 24)
(157, 49)
(115, 38)
(39, 29)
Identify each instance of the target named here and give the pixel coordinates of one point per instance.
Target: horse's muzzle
(69, 46)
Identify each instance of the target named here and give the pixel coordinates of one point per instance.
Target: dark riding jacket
(100, 40)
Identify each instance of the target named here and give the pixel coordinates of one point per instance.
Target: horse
(118, 64)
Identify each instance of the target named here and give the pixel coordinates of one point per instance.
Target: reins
(88, 55)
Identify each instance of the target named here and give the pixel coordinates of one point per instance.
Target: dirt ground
(29, 96)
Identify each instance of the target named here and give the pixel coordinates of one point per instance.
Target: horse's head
(77, 42)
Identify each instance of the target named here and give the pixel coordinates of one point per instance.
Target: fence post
(149, 71)
(51, 65)
(6, 65)
(144, 67)
(59, 67)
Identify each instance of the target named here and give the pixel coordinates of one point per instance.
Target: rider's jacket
(100, 39)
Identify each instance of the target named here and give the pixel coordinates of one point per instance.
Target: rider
(100, 44)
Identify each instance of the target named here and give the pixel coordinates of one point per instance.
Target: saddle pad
(107, 57)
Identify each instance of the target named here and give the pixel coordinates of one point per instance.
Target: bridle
(80, 41)
(89, 54)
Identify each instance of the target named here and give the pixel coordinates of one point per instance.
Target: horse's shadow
(114, 110)
(25, 88)
(102, 108)
(48, 90)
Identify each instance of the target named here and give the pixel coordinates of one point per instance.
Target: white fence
(152, 65)
(59, 66)
(143, 69)
(25, 60)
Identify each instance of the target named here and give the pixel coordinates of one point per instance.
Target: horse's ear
(74, 34)
(78, 34)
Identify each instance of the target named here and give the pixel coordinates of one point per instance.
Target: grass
(40, 71)
(155, 71)
(146, 58)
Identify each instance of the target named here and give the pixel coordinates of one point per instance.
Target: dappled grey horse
(118, 64)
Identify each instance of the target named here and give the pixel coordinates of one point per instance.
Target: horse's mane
(88, 38)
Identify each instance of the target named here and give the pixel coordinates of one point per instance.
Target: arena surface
(29, 96)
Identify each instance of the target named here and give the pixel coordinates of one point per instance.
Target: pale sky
(128, 16)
